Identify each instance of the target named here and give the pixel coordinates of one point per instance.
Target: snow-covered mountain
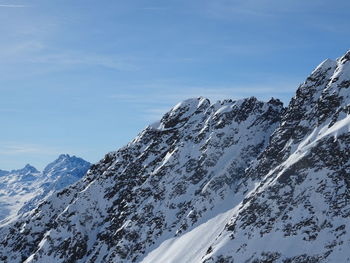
(232, 181)
(22, 190)
(17, 187)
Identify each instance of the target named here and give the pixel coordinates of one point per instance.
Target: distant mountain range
(232, 181)
(22, 190)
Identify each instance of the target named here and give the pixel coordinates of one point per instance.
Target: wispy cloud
(256, 49)
(154, 8)
(9, 110)
(236, 9)
(267, 10)
(75, 59)
(20, 50)
(34, 57)
(12, 6)
(19, 149)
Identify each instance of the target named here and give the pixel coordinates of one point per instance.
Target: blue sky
(85, 77)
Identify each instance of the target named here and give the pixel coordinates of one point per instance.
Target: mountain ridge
(231, 181)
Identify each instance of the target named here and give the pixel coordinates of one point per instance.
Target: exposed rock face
(234, 181)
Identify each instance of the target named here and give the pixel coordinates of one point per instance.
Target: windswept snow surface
(191, 246)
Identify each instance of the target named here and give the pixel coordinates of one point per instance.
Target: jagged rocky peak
(184, 111)
(336, 94)
(181, 112)
(345, 58)
(324, 66)
(321, 100)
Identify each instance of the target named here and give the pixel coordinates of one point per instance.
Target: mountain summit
(231, 181)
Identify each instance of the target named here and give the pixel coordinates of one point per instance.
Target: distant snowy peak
(27, 169)
(64, 171)
(23, 189)
(66, 164)
(27, 173)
